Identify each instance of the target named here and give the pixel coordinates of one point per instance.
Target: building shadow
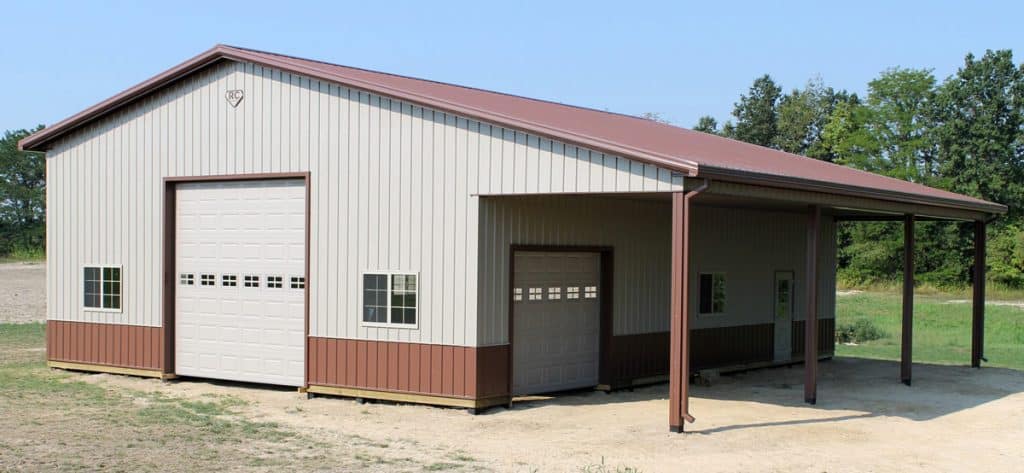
(857, 387)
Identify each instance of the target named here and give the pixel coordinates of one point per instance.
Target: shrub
(858, 331)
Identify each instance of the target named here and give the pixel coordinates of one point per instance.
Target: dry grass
(55, 420)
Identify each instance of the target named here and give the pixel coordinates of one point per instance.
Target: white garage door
(557, 321)
(240, 312)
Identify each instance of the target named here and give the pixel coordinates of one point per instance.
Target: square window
(229, 280)
(207, 280)
(554, 293)
(298, 282)
(188, 279)
(572, 292)
(390, 298)
(101, 287)
(517, 294)
(536, 293)
(590, 292)
(251, 281)
(275, 282)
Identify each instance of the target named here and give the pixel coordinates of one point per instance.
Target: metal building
(263, 218)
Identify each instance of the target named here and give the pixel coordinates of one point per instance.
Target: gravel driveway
(22, 292)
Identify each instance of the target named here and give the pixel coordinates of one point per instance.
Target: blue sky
(679, 59)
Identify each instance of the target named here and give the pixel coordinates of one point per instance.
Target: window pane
(115, 302)
(92, 300)
(705, 293)
(718, 304)
(92, 274)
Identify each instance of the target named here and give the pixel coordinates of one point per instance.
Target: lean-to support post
(679, 365)
(811, 322)
(978, 315)
(906, 346)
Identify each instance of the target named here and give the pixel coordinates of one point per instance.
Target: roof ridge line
(450, 84)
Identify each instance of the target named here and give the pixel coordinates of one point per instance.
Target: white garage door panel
(243, 228)
(556, 333)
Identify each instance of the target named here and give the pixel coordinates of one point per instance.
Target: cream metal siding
(637, 229)
(394, 186)
(748, 245)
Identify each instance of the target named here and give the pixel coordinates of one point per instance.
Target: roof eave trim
(40, 140)
(796, 183)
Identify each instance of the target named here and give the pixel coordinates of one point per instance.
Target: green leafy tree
(892, 132)
(22, 195)
(981, 140)
(707, 124)
(756, 114)
(803, 115)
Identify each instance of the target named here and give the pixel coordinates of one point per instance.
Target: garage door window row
(554, 293)
(249, 280)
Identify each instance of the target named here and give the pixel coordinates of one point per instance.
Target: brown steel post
(906, 352)
(675, 379)
(978, 319)
(679, 365)
(811, 322)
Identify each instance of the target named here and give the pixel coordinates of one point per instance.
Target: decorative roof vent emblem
(235, 97)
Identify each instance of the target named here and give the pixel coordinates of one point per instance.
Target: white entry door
(240, 295)
(783, 312)
(556, 324)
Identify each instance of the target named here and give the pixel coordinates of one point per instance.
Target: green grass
(24, 254)
(942, 329)
(56, 420)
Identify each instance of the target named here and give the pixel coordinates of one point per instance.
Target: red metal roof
(696, 153)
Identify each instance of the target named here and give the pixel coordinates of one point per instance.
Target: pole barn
(263, 218)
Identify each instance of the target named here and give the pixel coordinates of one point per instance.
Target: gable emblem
(235, 97)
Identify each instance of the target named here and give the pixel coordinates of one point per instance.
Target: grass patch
(20, 254)
(58, 420)
(942, 329)
(605, 468)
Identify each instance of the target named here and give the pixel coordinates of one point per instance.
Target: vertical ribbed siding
(637, 229)
(747, 245)
(393, 187)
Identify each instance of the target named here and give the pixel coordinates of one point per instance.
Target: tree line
(964, 134)
(22, 197)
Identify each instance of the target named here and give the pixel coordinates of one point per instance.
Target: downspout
(685, 365)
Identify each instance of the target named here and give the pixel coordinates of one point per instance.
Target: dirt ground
(22, 292)
(951, 419)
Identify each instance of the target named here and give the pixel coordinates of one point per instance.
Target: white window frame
(101, 267)
(389, 324)
(725, 300)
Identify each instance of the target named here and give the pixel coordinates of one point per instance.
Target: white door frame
(783, 339)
